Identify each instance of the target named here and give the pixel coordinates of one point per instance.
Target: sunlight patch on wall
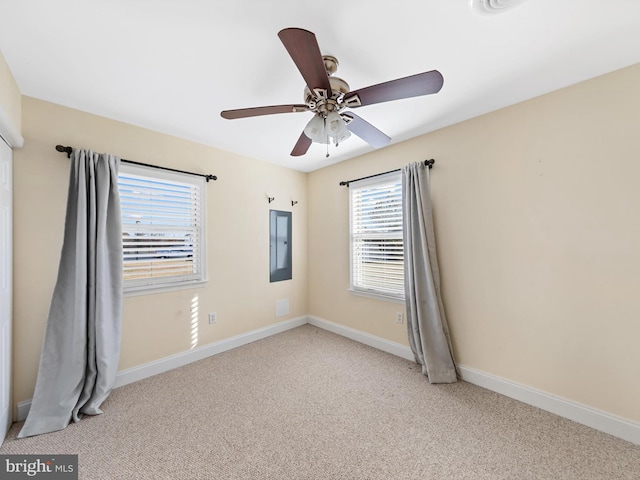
(194, 321)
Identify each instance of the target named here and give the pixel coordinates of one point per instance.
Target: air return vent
(492, 6)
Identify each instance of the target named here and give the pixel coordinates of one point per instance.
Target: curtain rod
(68, 151)
(427, 163)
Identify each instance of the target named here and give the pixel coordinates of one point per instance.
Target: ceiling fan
(328, 96)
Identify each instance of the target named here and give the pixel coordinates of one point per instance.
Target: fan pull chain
(325, 129)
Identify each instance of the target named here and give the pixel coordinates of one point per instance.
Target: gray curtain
(426, 321)
(79, 358)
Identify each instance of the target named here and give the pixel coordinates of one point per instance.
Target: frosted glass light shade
(344, 136)
(315, 129)
(336, 126)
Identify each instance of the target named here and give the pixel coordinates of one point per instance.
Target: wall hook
(293, 202)
(271, 199)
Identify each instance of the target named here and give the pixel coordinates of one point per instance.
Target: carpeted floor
(308, 404)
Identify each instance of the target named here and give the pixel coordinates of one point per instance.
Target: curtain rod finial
(66, 150)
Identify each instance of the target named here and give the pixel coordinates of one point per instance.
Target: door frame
(6, 287)
(9, 136)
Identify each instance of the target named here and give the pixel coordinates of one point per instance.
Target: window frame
(150, 286)
(369, 291)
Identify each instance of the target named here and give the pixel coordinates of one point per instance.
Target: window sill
(168, 288)
(377, 296)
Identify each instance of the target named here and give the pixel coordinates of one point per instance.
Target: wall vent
(282, 307)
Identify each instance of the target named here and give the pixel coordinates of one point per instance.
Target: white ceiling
(173, 65)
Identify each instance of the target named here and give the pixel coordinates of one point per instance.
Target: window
(377, 257)
(162, 228)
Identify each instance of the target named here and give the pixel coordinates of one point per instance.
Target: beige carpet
(308, 404)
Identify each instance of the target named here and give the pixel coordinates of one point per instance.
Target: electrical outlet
(399, 317)
(213, 317)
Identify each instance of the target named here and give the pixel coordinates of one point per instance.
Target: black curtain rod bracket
(427, 163)
(69, 150)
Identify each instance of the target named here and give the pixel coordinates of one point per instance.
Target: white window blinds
(162, 228)
(377, 257)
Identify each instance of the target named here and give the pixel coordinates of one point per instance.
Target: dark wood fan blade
(421, 84)
(302, 145)
(303, 48)
(366, 131)
(257, 111)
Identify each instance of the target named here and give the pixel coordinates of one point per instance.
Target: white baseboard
(130, 375)
(22, 409)
(591, 417)
(140, 372)
(359, 336)
(597, 419)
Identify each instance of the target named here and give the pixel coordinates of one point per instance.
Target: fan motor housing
(319, 102)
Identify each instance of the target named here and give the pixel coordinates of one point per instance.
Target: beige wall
(154, 326)
(537, 212)
(10, 96)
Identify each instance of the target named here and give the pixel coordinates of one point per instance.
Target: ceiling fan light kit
(327, 96)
